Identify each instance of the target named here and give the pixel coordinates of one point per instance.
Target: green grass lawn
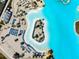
(2, 56)
(1, 7)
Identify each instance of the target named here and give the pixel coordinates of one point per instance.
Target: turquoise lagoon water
(62, 38)
(61, 35)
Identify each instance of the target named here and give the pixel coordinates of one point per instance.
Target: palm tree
(0, 26)
(1, 22)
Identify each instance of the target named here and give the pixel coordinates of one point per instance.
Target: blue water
(60, 18)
